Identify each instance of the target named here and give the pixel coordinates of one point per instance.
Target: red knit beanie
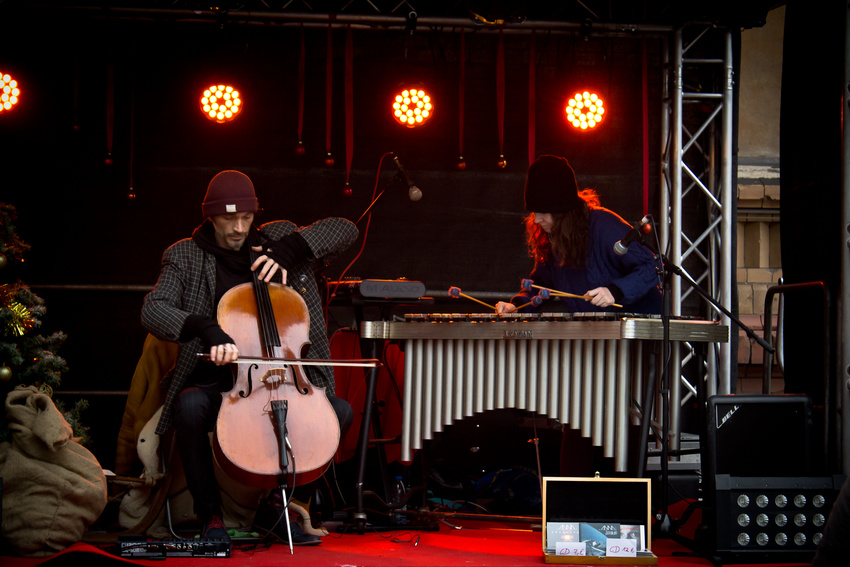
(551, 187)
(229, 192)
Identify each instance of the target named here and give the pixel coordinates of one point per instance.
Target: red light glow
(412, 107)
(221, 103)
(585, 110)
(9, 92)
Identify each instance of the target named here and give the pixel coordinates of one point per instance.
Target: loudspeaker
(763, 502)
(776, 519)
(759, 435)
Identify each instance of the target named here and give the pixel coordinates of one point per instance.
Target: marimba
(579, 369)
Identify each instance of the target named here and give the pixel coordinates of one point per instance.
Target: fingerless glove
(206, 329)
(288, 250)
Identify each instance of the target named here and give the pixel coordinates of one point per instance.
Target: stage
(456, 540)
(460, 544)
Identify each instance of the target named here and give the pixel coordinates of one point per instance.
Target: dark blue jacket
(636, 273)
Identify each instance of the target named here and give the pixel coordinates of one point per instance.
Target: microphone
(635, 234)
(412, 190)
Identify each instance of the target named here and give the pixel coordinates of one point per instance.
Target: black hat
(551, 187)
(229, 192)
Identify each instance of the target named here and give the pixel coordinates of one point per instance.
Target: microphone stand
(667, 526)
(368, 220)
(279, 409)
(371, 421)
(395, 177)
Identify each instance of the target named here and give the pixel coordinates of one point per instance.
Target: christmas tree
(26, 358)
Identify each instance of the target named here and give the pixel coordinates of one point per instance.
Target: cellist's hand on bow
(267, 266)
(224, 354)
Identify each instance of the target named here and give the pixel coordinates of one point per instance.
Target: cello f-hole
(242, 393)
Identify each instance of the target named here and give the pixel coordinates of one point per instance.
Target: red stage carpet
(485, 546)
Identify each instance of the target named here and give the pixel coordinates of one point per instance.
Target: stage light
(585, 110)
(9, 92)
(221, 103)
(412, 107)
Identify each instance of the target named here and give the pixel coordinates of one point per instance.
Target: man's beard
(234, 245)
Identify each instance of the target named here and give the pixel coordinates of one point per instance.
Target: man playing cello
(196, 272)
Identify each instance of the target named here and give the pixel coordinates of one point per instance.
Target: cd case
(597, 521)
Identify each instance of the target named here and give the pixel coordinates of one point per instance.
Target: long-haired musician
(572, 240)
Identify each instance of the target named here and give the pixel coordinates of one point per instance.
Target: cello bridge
(275, 376)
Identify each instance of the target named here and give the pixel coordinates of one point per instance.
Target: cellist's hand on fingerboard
(266, 265)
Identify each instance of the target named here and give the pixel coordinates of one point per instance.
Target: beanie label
(230, 208)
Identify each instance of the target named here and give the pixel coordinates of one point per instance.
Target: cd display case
(597, 521)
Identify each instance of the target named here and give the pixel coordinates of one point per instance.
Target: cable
(375, 197)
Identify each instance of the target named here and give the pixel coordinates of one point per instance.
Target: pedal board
(139, 547)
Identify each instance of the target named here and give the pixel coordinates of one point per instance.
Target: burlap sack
(53, 488)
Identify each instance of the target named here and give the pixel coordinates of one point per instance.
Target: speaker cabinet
(765, 502)
(759, 435)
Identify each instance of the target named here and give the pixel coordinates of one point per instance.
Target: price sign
(573, 548)
(616, 547)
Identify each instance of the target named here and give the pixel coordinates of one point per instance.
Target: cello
(278, 425)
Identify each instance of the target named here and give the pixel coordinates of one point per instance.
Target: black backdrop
(811, 203)
(84, 230)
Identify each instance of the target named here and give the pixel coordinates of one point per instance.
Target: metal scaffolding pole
(843, 374)
(699, 151)
(675, 244)
(727, 204)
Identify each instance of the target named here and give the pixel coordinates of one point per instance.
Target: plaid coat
(186, 286)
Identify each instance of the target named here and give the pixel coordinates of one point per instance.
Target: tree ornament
(300, 150)
(5, 373)
(21, 322)
(3, 261)
(108, 160)
(329, 160)
(461, 163)
(502, 163)
(347, 191)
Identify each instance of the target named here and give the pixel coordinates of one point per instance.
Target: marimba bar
(580, 369)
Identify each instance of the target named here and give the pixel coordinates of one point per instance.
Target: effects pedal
(139, 547)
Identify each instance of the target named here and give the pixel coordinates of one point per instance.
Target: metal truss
(698, 199)
(843, 377)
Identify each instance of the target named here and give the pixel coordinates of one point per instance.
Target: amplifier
(139, 547)
(760, 435)
(766, 500)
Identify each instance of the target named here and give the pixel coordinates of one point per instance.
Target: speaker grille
(777, 515)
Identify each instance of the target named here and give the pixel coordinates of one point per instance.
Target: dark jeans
(195, 413)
